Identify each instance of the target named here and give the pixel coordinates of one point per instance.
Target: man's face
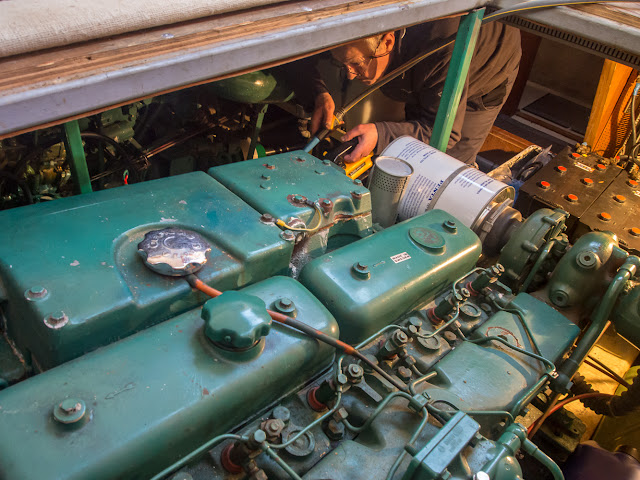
(360, 63)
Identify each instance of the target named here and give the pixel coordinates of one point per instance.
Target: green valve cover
(277, 184)
(371, 283)
(129, 410)
(73, 278)
(491, 376)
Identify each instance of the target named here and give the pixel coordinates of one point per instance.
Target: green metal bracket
(256, 131)
(456, 77)
(76, 158)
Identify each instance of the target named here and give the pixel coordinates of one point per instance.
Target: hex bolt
(404, 373)
(281, 413)
(288, 235)
(356, 195)
(326, 202)
(265, 177)
(326, 162)
(481, 476)
(450, 226)
(286, 305)
(266, 218)
(354, 373)
(450, 337)
(38, 291)
(334, 430)
(70, 410)
(357, 182)
(394, 343)
(361, 270)
(298, 198)
(413, 330)
(273, 428)
(399, 338)
(340, 415)
(270, 166)
(56, 320)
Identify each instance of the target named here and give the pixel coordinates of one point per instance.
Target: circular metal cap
(69, 410)
(174, 251)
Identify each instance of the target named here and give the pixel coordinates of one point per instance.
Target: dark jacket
(495, 59)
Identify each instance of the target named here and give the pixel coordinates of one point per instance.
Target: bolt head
(356, 195)
(69, 411)
(404, 373)
(354, 373)
(450, 225)
(341, 379)
(400, 337)
(288, 235)
(36, 293)
(326, 202)
(56, 320)
(334, 430)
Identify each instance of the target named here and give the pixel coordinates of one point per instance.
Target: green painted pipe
(598, 322)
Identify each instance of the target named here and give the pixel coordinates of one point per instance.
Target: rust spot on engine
(205, 391)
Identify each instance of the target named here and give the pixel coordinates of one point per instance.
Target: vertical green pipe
(76, 158)
(456, 78)
(256, 131)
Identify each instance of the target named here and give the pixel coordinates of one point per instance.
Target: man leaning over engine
(492, 72)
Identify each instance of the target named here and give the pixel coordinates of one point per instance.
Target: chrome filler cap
(174, 251)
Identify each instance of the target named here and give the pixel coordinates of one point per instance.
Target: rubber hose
(616, 406)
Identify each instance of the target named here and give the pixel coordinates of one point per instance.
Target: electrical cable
(198, 284)
(564, 402)
(283, 224)
(608, 373)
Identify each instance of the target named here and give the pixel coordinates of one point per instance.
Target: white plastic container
(442, 182)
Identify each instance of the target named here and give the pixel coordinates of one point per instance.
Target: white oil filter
(440, 181)
(388, 181)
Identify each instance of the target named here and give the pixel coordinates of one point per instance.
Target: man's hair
(373, 43)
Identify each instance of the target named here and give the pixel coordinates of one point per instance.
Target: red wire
(561, 404)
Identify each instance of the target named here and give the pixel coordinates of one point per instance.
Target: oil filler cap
(174, 251)
(235, 320)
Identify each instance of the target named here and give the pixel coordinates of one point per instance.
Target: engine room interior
(201, 283)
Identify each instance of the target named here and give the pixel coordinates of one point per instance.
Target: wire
(564, 402)
(283, 224)
(606, 371)
(198, 284)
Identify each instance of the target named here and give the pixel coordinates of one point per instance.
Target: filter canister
(440, 181)
(388, 181)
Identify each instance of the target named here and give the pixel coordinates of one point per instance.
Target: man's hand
(367, 140)
(322, 113)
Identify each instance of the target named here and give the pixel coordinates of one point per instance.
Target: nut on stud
(56, 320)
(361, 270)
(70, 410)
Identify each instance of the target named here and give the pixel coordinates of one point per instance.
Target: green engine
(417, 359)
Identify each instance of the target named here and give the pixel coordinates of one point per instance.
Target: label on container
(431, 168)
(468, 194)
(401, 257)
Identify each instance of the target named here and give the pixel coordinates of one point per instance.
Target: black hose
(114, 144)
(615, 406)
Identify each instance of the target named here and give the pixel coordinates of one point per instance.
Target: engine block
(134, 374)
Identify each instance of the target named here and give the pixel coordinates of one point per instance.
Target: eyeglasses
(359, 68)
